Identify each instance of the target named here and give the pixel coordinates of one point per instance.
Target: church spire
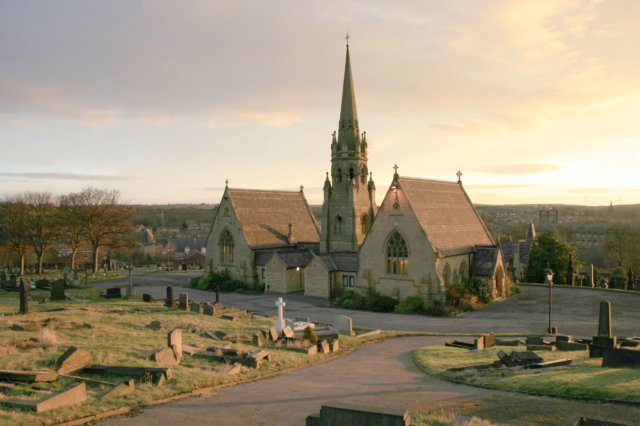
(348, 127)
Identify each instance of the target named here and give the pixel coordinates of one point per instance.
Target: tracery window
(365, 223)
(337, 226)
(446, 275)
(226, 247)
(397, 255)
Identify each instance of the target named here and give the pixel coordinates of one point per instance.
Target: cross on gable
(459, 174)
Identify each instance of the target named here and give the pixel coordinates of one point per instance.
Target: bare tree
(41, 223)
(13, 225)
(71, 222)
(105, 223)
(621, 244)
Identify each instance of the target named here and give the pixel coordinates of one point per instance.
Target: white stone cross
(280, 324)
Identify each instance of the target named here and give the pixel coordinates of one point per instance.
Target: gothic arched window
(446, 275)
(464, 271)
(363, 175)
(339, 174)
(365, 223)
(397, 254)
(352, 174)
(226, 247)
(337, 225)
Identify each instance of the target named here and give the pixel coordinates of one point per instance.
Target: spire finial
(459, 174)
(395, 168)
(301, 188)
(347, 38)
(226, 184)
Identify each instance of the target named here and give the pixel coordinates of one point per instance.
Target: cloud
(520, 169)
(63, 176)
(592, 190)
(233, 119)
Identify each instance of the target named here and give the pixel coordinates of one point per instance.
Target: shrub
(233, 285)
(409, 305)
(380, 303)
(434, 308)
(481, 288)
(310, 335)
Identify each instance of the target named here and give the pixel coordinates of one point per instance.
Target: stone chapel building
(425, 236)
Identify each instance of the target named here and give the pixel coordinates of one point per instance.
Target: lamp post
(549, 277)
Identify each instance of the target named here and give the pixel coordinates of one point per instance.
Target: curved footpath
(381, 375)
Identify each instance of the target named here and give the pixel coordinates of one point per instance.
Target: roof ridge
(427, 180)
(287, 191)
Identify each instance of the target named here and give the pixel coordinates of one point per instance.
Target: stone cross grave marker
(280, 323)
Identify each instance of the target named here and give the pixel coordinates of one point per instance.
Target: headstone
(593, 275)
(125, 388)
(72, 395)
(478, 344)
(343, 324)
(323, 347)
(489, 340)
(147, 298)
(57, 291)
(217, 289)
(571, 346)
(280, 323)
(113, 293)
(168, 300)
(209, 309)
(165, 356)
(534, 340)
(195, 307)
(184, 301)
(174, 341)
(312, 350)
(288, 332)
(73, 359)
(273, 334)
(258, 340)
(621, 358)
(24, 298)
(217, 309)
(604, 320)
(335, 345)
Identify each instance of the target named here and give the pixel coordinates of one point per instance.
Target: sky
(534, 101)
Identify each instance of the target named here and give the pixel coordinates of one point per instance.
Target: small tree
(549, 249)
(104, 222)
(42, 223)
(13, 226)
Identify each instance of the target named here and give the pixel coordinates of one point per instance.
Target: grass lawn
(583, 378)
(117, 333)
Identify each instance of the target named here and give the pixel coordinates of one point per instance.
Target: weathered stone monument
(604, 340)
(57, 291)
(183, 304)
(343, 324)
(168, 301)
(280, 323)
(24, 297)
(593, 275)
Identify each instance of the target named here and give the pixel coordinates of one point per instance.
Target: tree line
(38, 221)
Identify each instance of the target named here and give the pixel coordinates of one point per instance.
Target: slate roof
(345, 262)
(264, 217)
(295, 259)
(445, 213)
(484, 260)
(509, 247)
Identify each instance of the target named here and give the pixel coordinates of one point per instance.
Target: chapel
(425, 236)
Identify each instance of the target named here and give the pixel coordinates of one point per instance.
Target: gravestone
(195, 307)
(621, 358)
(323, 347)
(280, 323)
(258, 340)
(604, 340)
(148, 298)
(209, 309)
(604, 321)
(73, 359)
(24, 297)
(57, 291)
(343, 324)
(168, 301)
(174, 341)
(113, 293)
(534, 341)
(183, 304)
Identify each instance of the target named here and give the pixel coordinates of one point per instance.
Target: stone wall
(316, 279)
(242, 267)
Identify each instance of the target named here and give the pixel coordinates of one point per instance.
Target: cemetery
(76, 353)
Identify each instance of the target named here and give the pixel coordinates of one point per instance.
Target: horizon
(536, 104)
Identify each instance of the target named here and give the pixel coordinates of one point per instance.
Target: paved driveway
(575, 310)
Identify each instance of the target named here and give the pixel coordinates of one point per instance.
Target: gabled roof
(264, 217)
(344, 262)
(445, 213)
(484, 261)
